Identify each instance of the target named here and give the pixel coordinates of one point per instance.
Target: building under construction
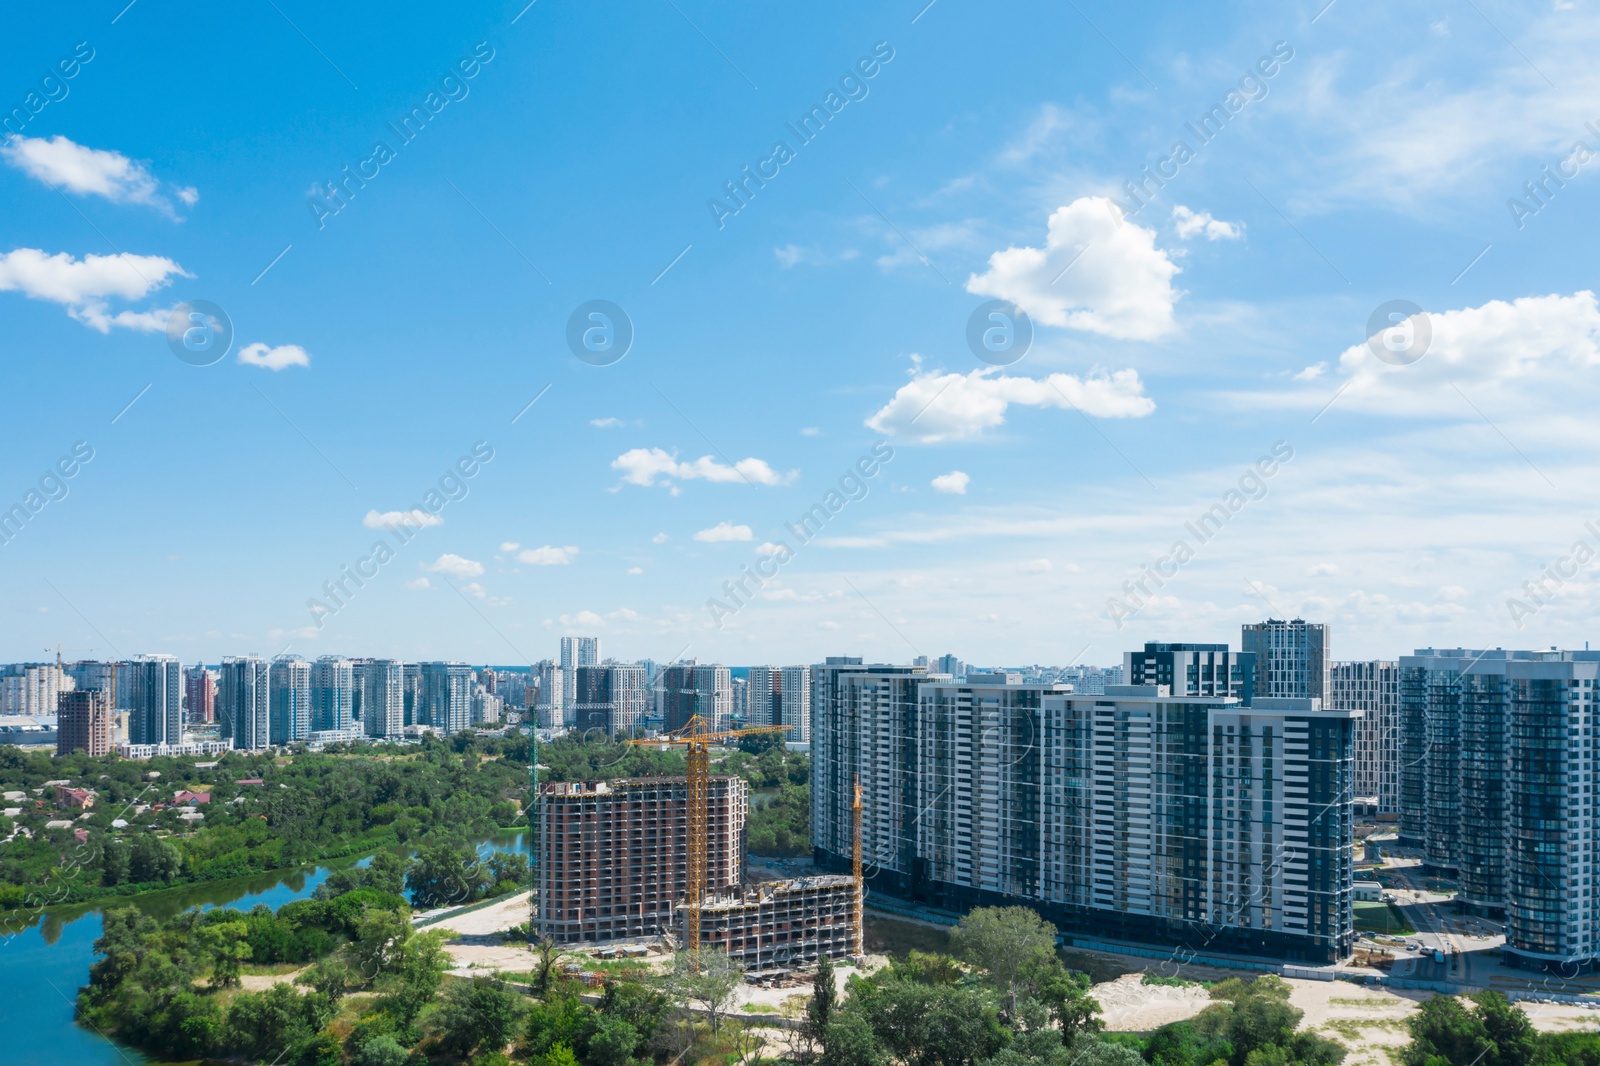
(776, 926)
(614, 855)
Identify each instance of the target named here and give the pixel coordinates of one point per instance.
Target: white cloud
(635, 570)
(455, 566)
(417, 583)
(936, 406)
(722, 532)
(284, 355)
(789, 255)
(509, 545)
(1120, 284)
(1322, 570)
(811, 431)
(548, 556)
(1035, 566)
(659, 538)
(1312, 373)
(827, 623)
(481, 593)
(642, 466)
(955, 482)
(769, 548)
(591, 620)
(417, 519)
(606, 423)
(90, 171)
(1525, 350)
(1194, 224)
(83, 285)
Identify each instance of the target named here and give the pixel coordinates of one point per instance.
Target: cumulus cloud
(659, 538)
(455, 566)
(768, 548)
(1035, 566)
(417, 519)
(1097, 272)
(635, 570)
(592, 620)
(1189, 224)
(548, 556)
(284, 355)
(1526, 346)
(477, 591)
(723, 532)
(66, 164)
(84, 285)
(605, 423)
(935, 406)
(955, 482)
(509, 545)
(642, 466)
(417, 583)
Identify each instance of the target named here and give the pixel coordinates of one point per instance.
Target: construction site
(663, 860)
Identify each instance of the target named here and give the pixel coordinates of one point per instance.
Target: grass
(1171, 982)
(1381, 918)
(760, 1008)
(896, 938)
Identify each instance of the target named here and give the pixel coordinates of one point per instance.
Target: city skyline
(407, 366)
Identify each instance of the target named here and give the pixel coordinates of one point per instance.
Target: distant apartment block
(381, 687)
(1139, 814)
(244, 702)
(550, 702)
(289, 689)
(781, 695)
(613, 856)
(1193, 670)
(690, 689)
(446, 697)
(32, 688)
(576, 652)
(609, 698)
(333, 693)
(1372, 688)
(154, 698)
(84, 723)
(1291, 658)
(200, 694)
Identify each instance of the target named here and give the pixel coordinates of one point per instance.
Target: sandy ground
(1128, 1006)
(480, 947)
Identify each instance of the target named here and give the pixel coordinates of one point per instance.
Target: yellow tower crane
(860, 915)
(699, 735)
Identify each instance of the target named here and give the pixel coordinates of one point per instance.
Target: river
(42, 967)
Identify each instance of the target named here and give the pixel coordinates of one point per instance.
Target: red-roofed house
(187, 798)
(76, 798)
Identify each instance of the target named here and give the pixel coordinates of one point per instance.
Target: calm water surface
(42, 967)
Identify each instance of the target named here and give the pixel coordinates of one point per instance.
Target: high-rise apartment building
(486, 706)
(1372, 688)
(781, 695)
(1291, 658)
(609, 698)
(613, 855)
(32, 688)
(289, 686)
(690, 689)
(1135, 814)
(85, 723)
(244, 703)
(412, 673)
(576, 652)
(1193, 669)
(200, 694)
(381, 684)
(551, 701)
(155, 700)
(446, 697)
(333, 693)
(1498, 753)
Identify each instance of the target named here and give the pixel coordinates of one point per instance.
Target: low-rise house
(76, 798)
(185, 798)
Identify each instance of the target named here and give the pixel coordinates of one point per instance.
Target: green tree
(707, 979)
(928, 1025)
(824, 997)
(612, 1043)
(849, 1041)
(380, 941)
(227, 944)
(414, 978)
(1445, 1033)
(1065, 992)
(481, 1013)
(1508, 1029)
(380, 1050)
(1001, 940)
(549, 954)
(445, 873)
(154, 859)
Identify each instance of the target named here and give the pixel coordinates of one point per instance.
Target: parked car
(1413, 946)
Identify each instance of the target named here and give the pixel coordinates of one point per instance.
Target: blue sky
(1365, 156)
